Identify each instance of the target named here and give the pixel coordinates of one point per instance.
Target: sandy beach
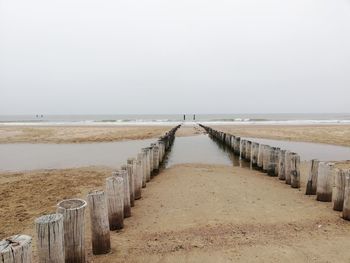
(78, 134)
(192, 212)
(330, 134)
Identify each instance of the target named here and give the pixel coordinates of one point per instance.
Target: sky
(174, 56)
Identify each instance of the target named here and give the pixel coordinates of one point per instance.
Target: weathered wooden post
(338, 189)
(261, 156)
(346, 206)
(266, 157)
(248, 149)
(312, 178)
(115, 202)
(156, 159)
(50, 238)
(287, 166)
(295, 171)
(272, 161)
(138, 177)
(254, 154)
(324, 182)
(161, 150)
(101, 241)
(277, 153)
(144, 168)
(16, 249)
(281, 164)
(151, 162)
(131, 166)
(237, 150)
(232, 146)
(147, 165)
(243, 149)
(126, 190)
(73, 211)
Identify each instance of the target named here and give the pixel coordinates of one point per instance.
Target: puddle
(19, 157)
(193, 149)
(200, 149)
(308, 151)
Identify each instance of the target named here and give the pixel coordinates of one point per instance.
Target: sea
(171, 119)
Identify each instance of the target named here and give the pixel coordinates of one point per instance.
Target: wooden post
(243, 149)
(50, 238)
(266, 158)
(248, 149)
(151, 162)
(276, 155)
(346, 207)
(261, 156)
(287, 166)
(232, 146)
(16, 249)
(272, 161)
(131, 166)
(295, 171)
(161, 150)
(138, 177)
(237, 144)
(324, 182)
(126, 190)
(254, 154)
(115, 202)
(281, 164)
(147, 165)
(312, 178)
(101, 241)
(73, 211)
(338, 189)
(156, 159)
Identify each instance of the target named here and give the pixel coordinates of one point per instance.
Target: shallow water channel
(193, 149)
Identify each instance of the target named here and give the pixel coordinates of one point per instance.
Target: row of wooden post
(60, 237)
(328, 183)
(274, 161)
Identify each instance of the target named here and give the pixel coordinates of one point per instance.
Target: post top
(96, 192)
(72, 204)
(14, 242)
(48, 218)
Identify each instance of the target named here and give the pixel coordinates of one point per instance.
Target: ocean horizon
(169, 119)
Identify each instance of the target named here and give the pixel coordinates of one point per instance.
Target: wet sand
(330, 134)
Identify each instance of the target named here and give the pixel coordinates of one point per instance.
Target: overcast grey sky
(174, 56)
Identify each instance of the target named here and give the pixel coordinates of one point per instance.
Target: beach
(190, 212)
(330, 134)
(78, 134)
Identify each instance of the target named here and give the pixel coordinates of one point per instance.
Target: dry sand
(78, 134)
(206, 213)
(331, 134)
(192, 213)
(27, 195)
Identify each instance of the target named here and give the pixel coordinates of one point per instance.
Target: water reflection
(202, 149)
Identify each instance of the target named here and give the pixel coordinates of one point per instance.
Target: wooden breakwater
(327, 183)
(60, 237)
